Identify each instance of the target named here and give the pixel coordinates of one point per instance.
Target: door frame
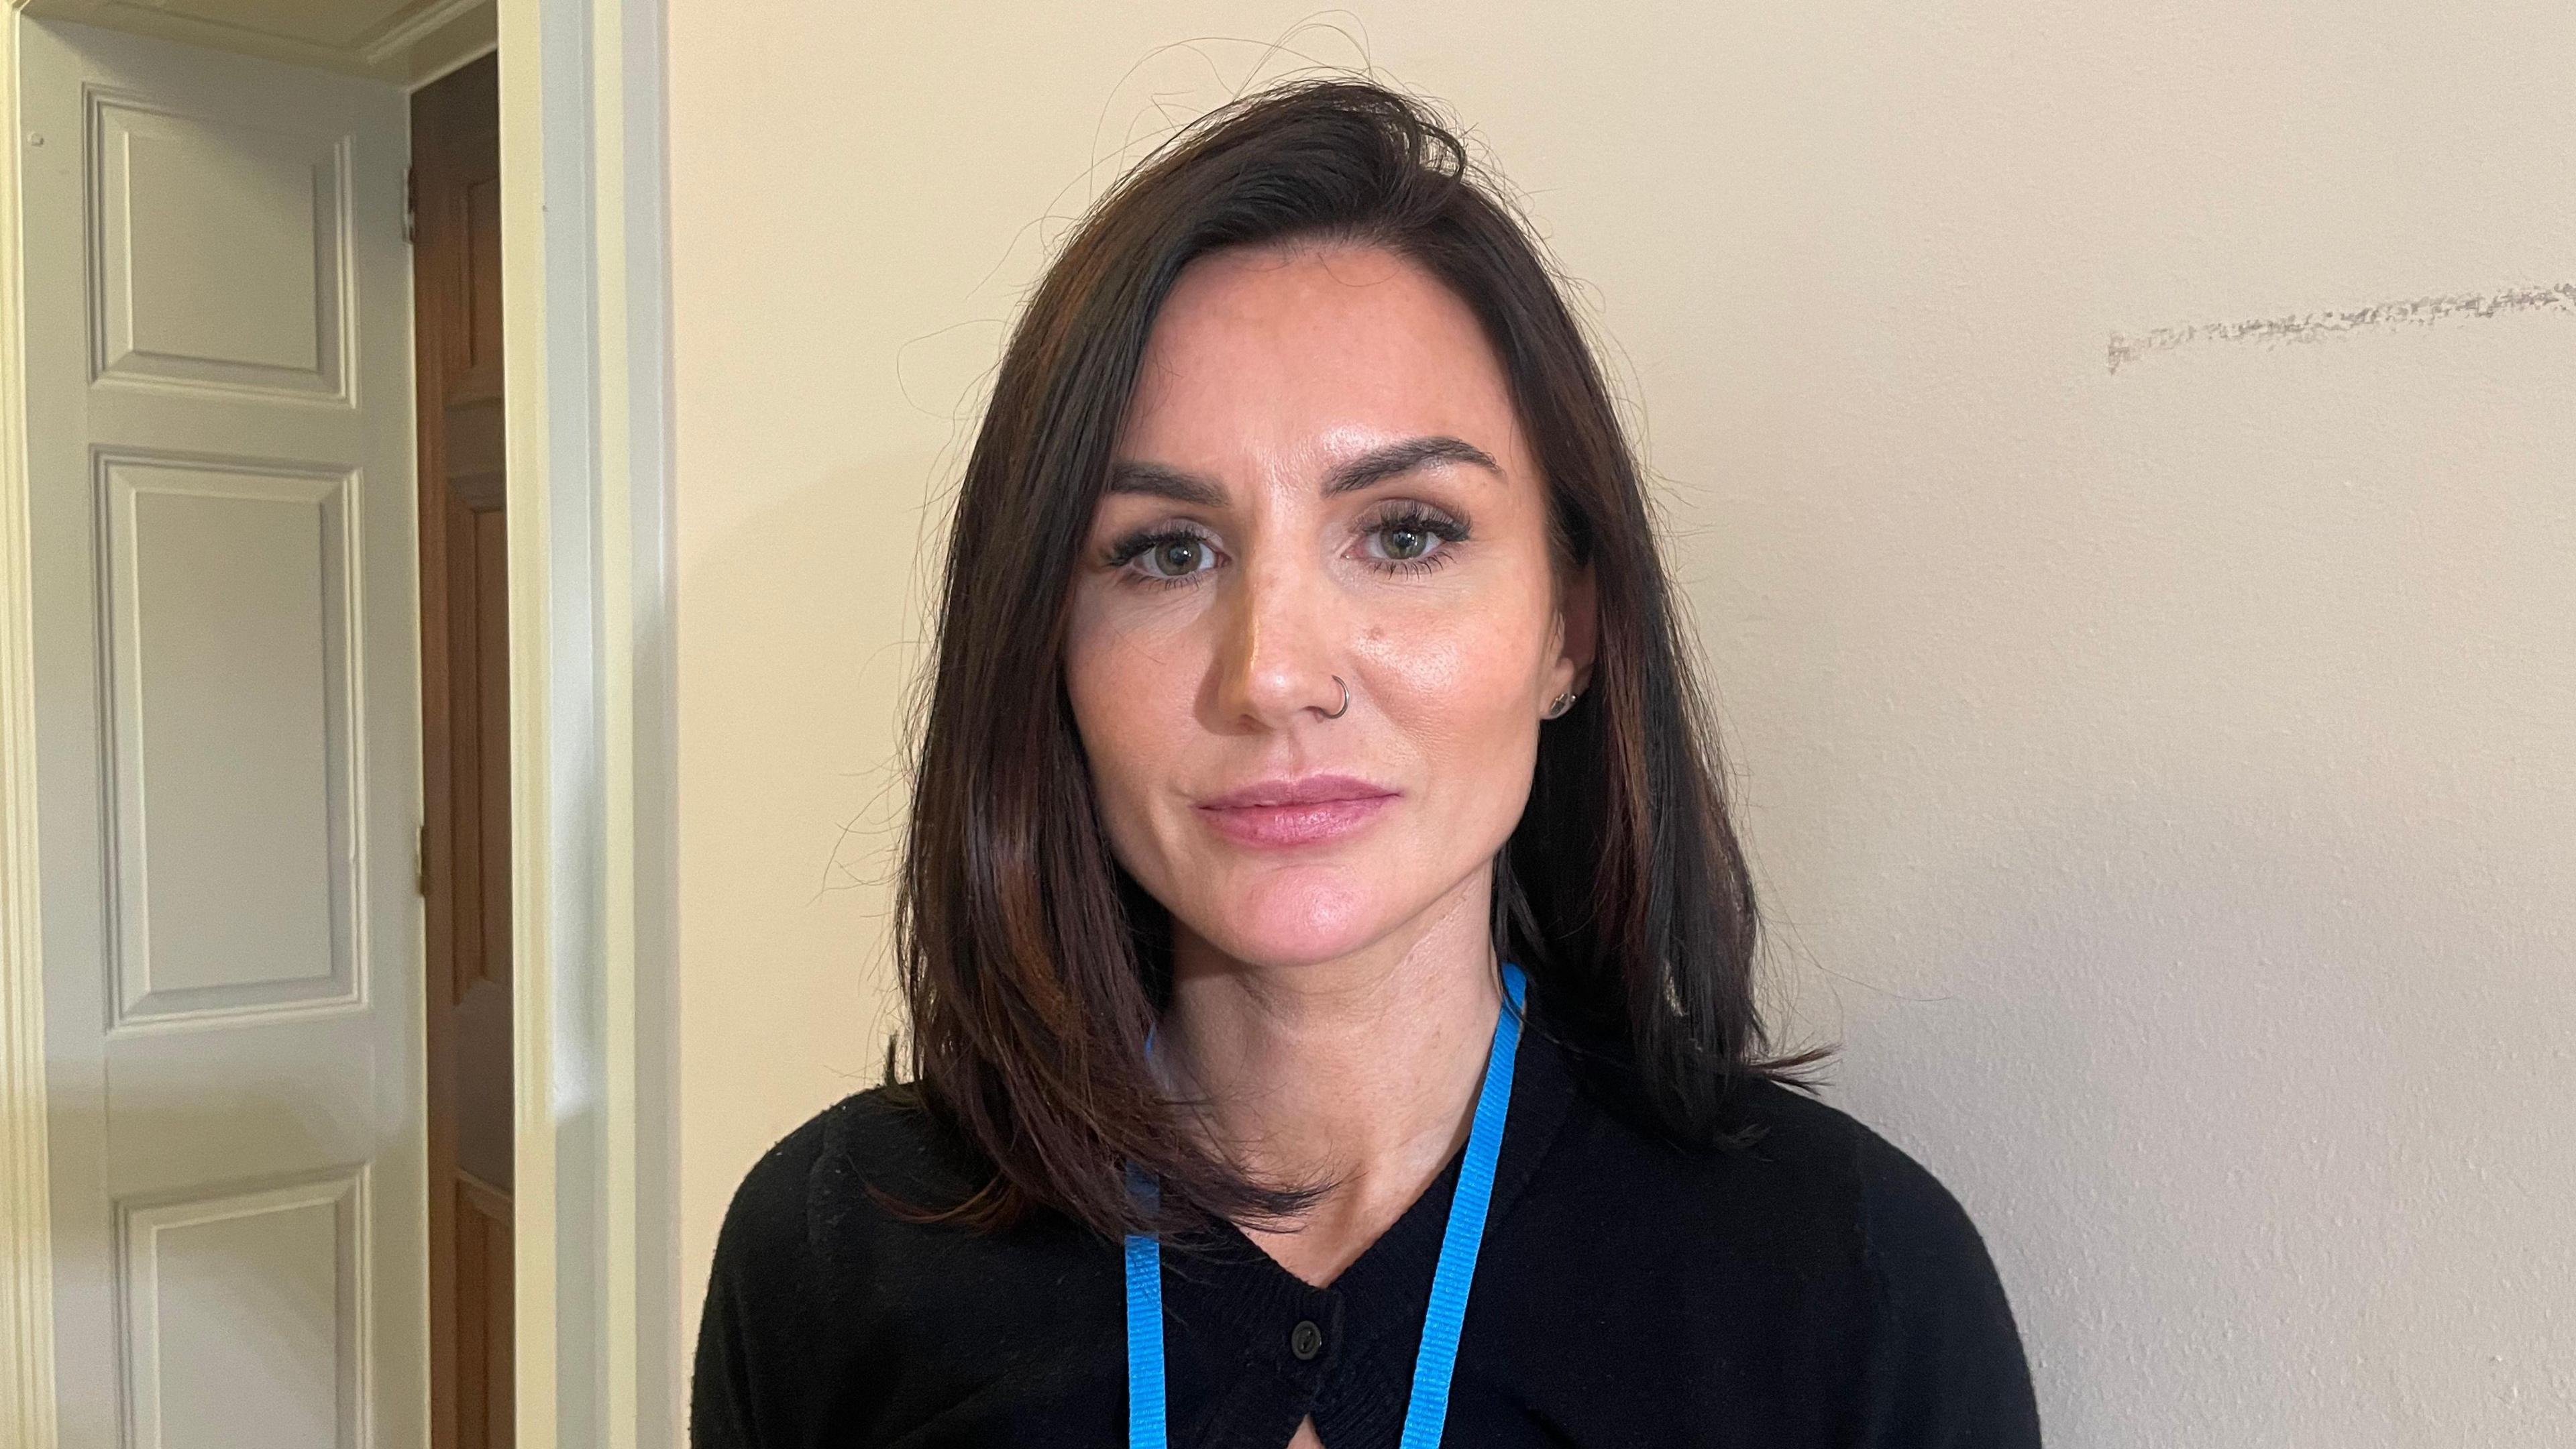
(586, 341)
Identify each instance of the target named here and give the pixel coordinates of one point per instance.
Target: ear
(1578, 620)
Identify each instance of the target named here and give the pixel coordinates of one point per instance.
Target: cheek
(1459, 682)
(1131, 709)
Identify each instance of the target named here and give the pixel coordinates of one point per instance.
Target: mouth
(1306, 811)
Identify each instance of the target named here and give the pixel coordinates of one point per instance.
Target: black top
(1817, 1287)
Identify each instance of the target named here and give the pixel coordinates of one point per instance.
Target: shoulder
(839, 1180)
(817, 1263)
(1819, 1160)
(1796, 1189)
(1944, 1362)
(1833, 1154)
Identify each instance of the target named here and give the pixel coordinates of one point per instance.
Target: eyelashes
(1416, 539)
(1161, 544)
(1433, 534)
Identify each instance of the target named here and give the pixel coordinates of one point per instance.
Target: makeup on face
(1286, 813)
(1314, 625)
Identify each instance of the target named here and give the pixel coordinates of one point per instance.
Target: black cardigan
(1816, 1287)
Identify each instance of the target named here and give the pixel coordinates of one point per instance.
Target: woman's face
(1321, 474)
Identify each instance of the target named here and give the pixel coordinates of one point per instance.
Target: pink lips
(1304, 811)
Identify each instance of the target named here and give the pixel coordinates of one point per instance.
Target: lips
(1288, 812)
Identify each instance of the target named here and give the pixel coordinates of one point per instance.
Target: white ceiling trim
(405, 50)
(393, 44)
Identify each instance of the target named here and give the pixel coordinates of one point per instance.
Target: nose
(1277, 659)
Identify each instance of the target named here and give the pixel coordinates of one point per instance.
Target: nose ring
(1346, 701)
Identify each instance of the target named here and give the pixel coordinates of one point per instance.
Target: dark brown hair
(1033, 966)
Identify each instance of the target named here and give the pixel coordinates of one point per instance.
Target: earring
(1557, 707)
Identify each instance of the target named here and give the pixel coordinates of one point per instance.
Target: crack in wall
(2311, 326)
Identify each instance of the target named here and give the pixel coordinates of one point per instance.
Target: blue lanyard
(1429, 1407)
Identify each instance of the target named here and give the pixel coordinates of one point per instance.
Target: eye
(1167, 555)
(1413, 538)
(1174, 557)
(1404, 541)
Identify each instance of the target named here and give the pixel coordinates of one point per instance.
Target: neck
(1359, 1074)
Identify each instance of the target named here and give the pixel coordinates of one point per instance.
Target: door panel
(189, 1269)
(228, 744)
(219, 251)
(465, 698)
(227, 616)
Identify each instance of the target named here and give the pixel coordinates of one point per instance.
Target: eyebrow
(1369, 468)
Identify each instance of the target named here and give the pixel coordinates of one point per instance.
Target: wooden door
(219, 446)
(465, 661)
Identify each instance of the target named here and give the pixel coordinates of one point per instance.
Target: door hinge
(411, 205)
(420, 863)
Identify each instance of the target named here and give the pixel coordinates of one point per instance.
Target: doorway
(465, 748)
(215, 1181)
(229, 675)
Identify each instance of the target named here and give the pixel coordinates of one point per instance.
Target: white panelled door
(220, 444)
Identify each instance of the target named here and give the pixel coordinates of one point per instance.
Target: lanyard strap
(1428, 1409)
(1144, 1341)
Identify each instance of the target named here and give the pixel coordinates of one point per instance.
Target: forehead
(1281, 346)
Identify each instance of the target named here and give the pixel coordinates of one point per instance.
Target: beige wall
(2162, 777)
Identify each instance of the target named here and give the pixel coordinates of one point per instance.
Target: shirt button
(1305, 1340)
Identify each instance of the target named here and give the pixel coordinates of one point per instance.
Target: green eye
(1403, 541)
(1416, 536)
(1174, 557)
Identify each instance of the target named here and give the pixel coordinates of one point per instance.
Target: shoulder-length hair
(1033, 967)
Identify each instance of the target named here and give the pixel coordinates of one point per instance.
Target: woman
(1328, 958)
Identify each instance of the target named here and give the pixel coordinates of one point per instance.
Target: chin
(1297, 917)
